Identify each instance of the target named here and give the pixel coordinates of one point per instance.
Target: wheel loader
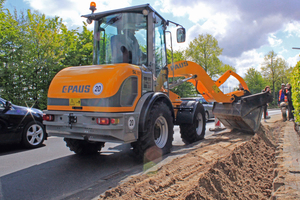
(125, 96)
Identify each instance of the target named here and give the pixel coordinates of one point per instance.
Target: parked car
(208, 106)
(20, 124)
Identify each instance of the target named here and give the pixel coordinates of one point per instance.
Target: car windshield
(2, 103)
(203, 101)
(121, 38)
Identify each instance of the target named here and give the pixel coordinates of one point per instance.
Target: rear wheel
(194, 132)
(82, 147)
(157, 140)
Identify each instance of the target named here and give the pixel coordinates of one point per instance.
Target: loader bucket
(244, 114)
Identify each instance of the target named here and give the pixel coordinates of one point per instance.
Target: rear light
(114, 121)
(107, 121)
(103, 121)
(48, 117)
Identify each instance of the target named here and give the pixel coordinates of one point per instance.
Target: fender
(146, 103)
(186, 112)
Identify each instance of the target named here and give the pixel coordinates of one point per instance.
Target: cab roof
(139, 8)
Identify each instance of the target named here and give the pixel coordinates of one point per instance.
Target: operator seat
(120, 50)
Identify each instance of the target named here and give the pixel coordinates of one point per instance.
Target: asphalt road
(54, 172)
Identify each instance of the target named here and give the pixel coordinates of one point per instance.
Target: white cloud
(195, 11)
(282, 51)
(71, 10)
(293, 28)
(247, 60)
(238, 25)
(216, 25)
(241, 27)
(292, 61)
(274, 41)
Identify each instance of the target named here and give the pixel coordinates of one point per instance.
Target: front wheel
(194, 132)
(157, 140)
(206, 116)
(33, 135)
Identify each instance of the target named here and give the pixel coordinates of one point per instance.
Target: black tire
(206, 116)
(82, 147)
(33, 135)
(194, 132)
(158, 138)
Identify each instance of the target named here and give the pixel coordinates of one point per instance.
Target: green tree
(185, 89)
(33, 49)
(79, 47)
(254, 80)
(42, 51)
(177, 56)
(9, 35)
(32, 58)
(204, 51)
(285, 71)
(224, 68)
(275, 71)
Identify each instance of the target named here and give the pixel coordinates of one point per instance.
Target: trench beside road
(227, 165)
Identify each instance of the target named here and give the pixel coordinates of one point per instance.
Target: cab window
(160, 50)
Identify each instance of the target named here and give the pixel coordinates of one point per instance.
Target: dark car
(20, 124)
(208, 106)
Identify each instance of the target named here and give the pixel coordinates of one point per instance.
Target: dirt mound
(230, 166)
(246, 174)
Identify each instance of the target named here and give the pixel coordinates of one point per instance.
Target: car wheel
(33, 134)
(206, 116)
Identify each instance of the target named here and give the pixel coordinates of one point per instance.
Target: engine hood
(90, 83)
(26, 109)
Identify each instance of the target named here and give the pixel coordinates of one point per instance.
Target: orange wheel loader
(125, 96)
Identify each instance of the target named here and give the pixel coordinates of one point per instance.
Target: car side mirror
(7, 105)
(180, 35)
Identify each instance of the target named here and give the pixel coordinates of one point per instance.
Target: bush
(296, 91)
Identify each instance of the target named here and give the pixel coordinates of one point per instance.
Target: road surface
(54, 172)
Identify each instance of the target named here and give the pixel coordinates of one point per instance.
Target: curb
(286, 184)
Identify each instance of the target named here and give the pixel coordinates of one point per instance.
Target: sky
(246, 30)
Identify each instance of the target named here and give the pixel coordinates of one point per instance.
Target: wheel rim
(200, 124)
(34, 134)
(206, 116)
(161, 132)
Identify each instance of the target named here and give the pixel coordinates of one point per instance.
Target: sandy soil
(233, 165)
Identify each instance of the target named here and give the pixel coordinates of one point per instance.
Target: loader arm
(236, 110)
(208, 88)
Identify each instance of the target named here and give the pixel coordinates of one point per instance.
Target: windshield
(121, 38)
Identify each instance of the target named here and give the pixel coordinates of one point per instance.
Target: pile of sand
(232, 166)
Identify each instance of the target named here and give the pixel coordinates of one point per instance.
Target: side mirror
(181, 35)
(7, 105)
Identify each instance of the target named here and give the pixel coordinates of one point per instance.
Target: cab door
(160, 54)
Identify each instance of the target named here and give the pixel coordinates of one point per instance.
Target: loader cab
(134, 35)
(121, 38)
